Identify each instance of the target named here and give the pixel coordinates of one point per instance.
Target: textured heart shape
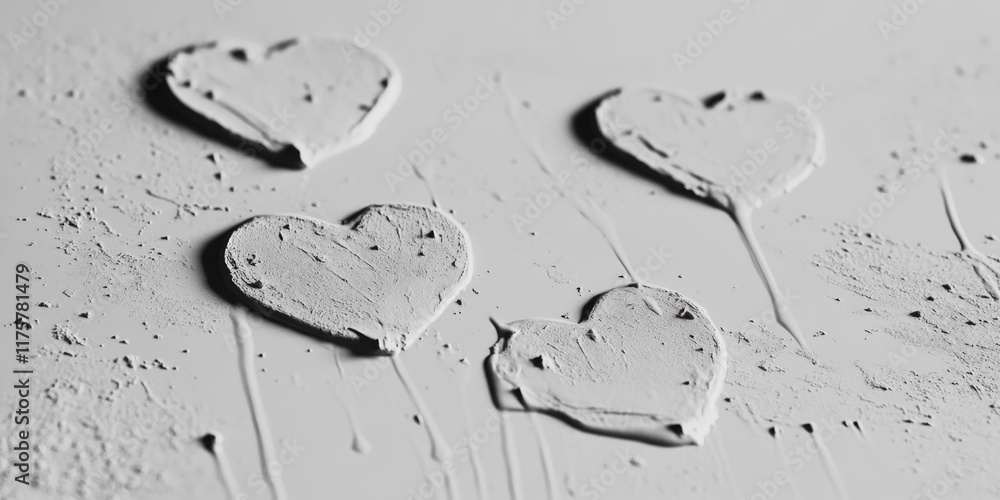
(302, 100)
(646, 364)
(727, 146)
(374, 283)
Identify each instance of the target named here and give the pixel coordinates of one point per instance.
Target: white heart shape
(752, 147)
(646, 364)
(375, 282)
(308, 99)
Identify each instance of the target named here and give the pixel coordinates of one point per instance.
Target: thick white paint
(317, 96)
(734, 152)
(642, 375)
(375, 282)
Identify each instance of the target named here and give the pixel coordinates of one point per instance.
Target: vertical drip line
(428, 185)
(741, 214)
(213, 443)
(828, 463)
(986, 271)
(265, 442)
(510, 456)
(440, 450)
(546, 455)
(478, 471)
(588, 208)
(339, 363)
(779, 443)
(603, 223)
(862, 433)
(723, 458)
(359, 443)
(426, 463)
(949, 206)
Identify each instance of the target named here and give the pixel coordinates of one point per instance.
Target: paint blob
(373, 283)
(624, 371)
(303, 100)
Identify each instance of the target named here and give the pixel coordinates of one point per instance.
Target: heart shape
(646, 364)
(303, 99)
(373, 283)
(753, 147)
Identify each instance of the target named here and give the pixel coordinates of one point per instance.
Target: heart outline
(350, 337)
(509, 396)
(285, 153)
(713, 191)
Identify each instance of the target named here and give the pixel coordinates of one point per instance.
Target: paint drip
(828, 463)
(586, 206)
(635, 374)
(478, 471)
(986, 268)
(725, 150)
(310, 98)
(723, 463)
(427, 465)
(213, 444)
(265, 441)
(440, 450)
(779, 438)
(511, 459)
(545, 454)
(359, 443)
